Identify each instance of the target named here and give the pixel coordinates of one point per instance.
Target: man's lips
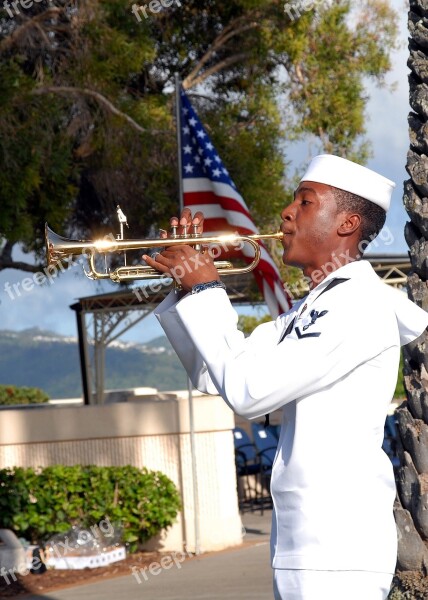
(286, 236)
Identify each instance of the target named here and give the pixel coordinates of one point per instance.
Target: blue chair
(390, 426)
(248, 468)
(275, 430)
(266, 444)
(389, 444)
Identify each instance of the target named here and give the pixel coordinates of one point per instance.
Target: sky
(46, 306)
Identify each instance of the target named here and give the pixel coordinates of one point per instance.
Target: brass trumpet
(59, 248)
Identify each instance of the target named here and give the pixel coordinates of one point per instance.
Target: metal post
(194, 467)
(102, 361)
(83, 353)
(96, 359)
(178, 128)
(99, 358)
(189, 383)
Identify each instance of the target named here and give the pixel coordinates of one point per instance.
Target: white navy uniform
(331, 363)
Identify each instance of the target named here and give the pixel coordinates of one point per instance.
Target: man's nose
(288, 213)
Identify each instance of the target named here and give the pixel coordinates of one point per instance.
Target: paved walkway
(242, 573)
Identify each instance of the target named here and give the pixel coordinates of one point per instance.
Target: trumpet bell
(57, 246)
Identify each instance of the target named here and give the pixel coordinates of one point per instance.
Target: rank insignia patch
(308, 322)
(314, 316)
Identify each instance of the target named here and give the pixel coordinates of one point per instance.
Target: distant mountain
(51, 362)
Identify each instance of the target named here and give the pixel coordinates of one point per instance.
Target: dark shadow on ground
(254, 531)
(17, 589)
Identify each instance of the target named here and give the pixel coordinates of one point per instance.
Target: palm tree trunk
(411, 511)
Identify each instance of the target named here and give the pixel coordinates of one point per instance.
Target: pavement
(241, 573)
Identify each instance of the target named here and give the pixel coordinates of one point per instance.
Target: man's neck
(335, 261)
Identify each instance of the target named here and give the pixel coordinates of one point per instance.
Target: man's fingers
(186, 220)
(186, 214)
(173, 254)
(198, 220)
(156, 263)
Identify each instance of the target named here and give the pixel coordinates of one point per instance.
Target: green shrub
(38, 504)
(10, 394)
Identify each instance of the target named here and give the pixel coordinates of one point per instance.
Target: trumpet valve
(195, 233)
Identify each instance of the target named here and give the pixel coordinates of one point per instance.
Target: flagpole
(178, 127)
(189, 383)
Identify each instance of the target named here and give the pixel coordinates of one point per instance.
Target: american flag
(208, 187)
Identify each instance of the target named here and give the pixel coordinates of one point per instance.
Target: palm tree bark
(412, 476)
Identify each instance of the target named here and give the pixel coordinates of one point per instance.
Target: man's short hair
(372, 216)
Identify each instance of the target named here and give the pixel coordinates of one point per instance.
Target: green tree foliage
(247, 323)
(87, 105)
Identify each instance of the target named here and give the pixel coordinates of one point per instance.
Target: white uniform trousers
(301, 584)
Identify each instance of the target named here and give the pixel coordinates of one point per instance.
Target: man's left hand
(187, 266)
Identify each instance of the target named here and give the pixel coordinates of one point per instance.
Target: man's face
(310, 225)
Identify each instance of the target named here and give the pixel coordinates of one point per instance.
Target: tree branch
(220, 40)
(7, 262)
(216, 68)
(11, 39)
(21, 266)
(102, 100)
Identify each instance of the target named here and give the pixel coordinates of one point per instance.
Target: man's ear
(349, 224)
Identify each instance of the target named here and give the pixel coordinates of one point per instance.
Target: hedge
(10, 394)
(39, 503)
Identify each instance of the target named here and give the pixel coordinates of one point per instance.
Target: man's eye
(305, 202)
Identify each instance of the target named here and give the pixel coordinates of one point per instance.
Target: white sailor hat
(346, 175)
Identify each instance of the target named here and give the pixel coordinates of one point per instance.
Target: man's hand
(187, 266)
